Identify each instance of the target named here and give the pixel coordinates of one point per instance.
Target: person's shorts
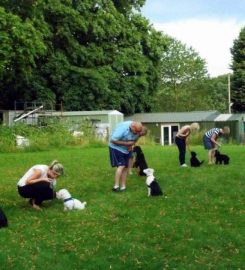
(208, 144)
(118, 158)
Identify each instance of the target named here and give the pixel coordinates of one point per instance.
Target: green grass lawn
(200, 224)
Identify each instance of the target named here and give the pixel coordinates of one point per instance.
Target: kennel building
(164, 126)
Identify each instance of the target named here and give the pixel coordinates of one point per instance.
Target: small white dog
(69, 202)
(153, 187)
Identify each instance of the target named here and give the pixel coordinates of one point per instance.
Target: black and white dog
(195, 162)
(221, 158)
(140, 162)
(153, 187)
(3, 219)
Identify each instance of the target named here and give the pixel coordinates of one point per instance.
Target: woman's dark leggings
(40, 192)
(182, 149)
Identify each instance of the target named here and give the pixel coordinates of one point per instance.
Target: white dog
(69, 202)
(153, 187)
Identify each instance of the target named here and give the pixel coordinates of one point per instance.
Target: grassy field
(200, 224)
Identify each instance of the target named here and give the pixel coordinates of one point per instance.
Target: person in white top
(38, 183)
(181, 140)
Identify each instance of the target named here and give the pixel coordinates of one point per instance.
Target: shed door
(168, 133)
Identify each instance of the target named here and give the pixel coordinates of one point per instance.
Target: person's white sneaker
(122, 188)
(184, 165)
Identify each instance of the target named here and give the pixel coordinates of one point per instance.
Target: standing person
(210, 141)
(121, 142)
(181, 140)
(38, 183)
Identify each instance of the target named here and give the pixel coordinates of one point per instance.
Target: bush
(196, 138)
(53, 135)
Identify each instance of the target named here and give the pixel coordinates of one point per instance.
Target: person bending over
(210, 141)
(121, 143)
(181, 140)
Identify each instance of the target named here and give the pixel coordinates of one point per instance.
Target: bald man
(121, 142)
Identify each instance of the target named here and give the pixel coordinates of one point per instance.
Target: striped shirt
(212, 131)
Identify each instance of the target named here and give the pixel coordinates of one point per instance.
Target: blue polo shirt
(122, 132)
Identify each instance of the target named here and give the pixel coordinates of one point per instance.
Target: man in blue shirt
(121, 143)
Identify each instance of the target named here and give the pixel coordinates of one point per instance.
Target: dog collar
(69, 199)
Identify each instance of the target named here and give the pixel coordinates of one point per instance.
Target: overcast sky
(208, 26)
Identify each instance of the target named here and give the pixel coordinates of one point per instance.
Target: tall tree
(21, 44)
(101, 55)
(215, 93)
(238, 78)
(182, 72)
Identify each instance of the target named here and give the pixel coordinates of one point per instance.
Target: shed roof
(83, 113)
(228, 117)
(194, 116)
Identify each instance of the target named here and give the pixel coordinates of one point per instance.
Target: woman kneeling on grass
(38, 183)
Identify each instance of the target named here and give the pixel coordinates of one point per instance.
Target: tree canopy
(238, 78)
(103, 54)
(85, 54)
(182, 73)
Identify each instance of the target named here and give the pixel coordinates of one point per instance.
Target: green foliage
(196, 138)
(199, 225)
(89, 55)
(21, 44)
(183, 73)
(52, 135)
(215, 93)
(97, 56)
(238, 78)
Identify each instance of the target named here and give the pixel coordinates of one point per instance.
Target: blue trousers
(182, 149)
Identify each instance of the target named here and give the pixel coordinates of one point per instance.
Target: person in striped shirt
(210, 141)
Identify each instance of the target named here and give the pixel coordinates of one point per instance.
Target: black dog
(221, 159)
(194, 160)
(153, 186)
(140, 162)
(3, 219)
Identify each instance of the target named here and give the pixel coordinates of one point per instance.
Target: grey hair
(57, 167)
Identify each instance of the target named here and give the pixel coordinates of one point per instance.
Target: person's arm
(184, 132)
(125, 143)
(128, 144)
(187, 132)
(36, 177)
(213, 139)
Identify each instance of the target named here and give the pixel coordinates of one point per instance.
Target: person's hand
(49, 180)
(130, 143)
